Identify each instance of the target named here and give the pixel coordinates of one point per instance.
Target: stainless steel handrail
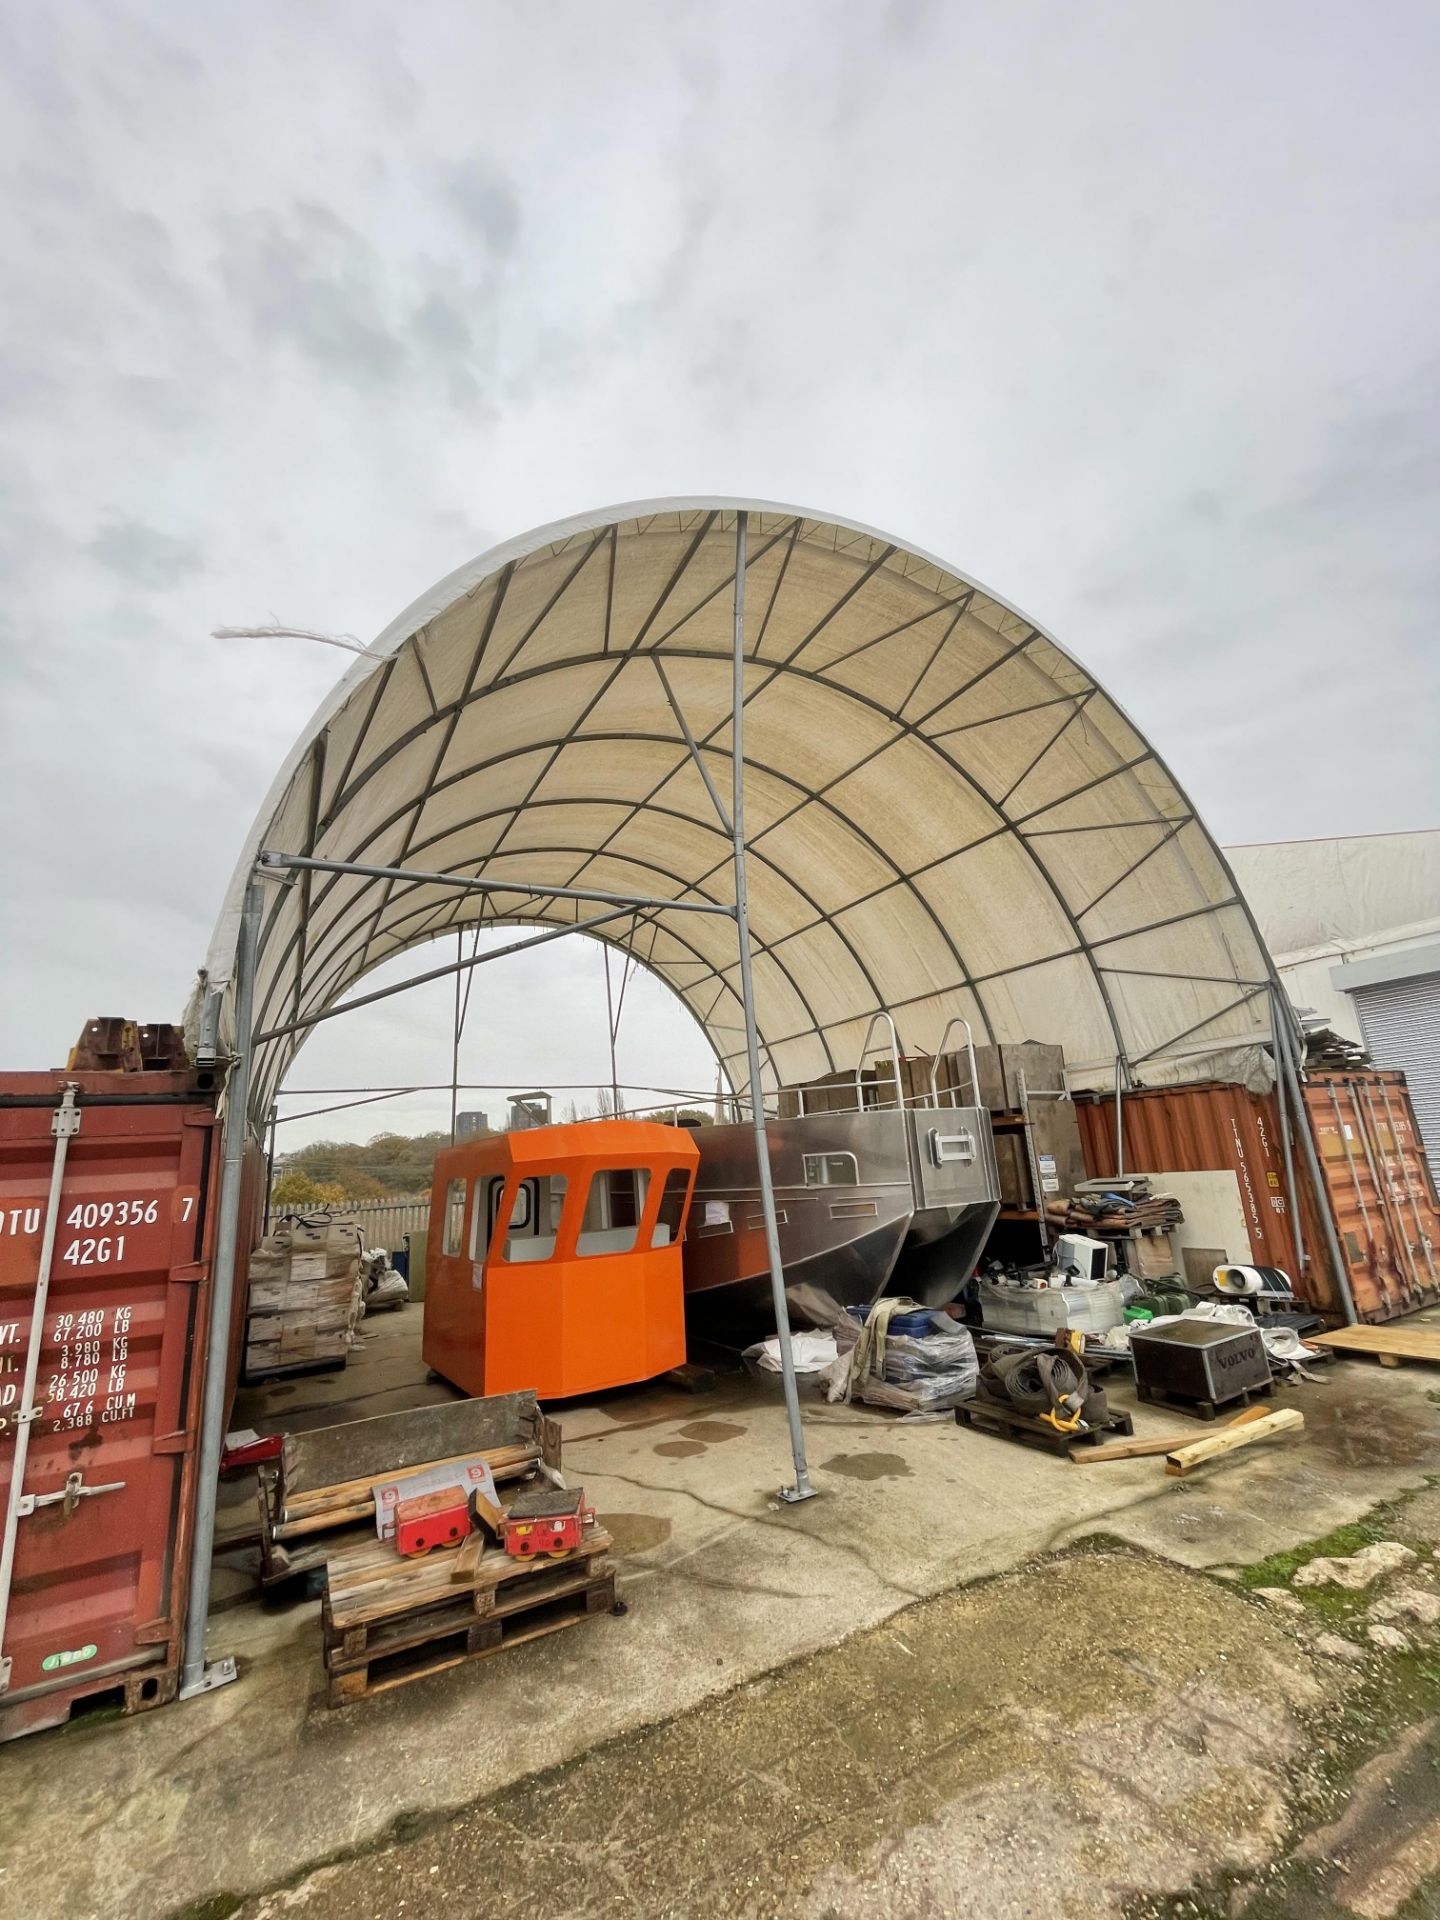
(866, 1049)
(958, 1020)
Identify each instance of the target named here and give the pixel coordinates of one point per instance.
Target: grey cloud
(309, 281)
(487, 205)
(144, 555)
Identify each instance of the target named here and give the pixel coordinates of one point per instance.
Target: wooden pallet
(1009, 1423)
(1390, 1345)
(1203, 1409)
(387, 1620)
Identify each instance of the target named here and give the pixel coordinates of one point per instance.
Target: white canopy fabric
(946, 814)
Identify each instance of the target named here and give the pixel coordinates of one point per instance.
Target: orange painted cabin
(553, 1259)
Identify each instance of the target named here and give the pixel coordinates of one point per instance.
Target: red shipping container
(1378, 1191)
(97, 1600)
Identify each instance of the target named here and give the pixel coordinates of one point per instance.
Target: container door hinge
(65, 1120)
(70, 1495)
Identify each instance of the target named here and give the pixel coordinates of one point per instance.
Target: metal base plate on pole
(219, 1673)
(792, 1496)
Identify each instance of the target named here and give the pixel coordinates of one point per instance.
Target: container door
(100, 1562)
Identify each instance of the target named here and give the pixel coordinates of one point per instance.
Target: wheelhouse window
(524, 1238)
(831, 1170)
(454, 1231)
(614, 1207)
(672, 1207)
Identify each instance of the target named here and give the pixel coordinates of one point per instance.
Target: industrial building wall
(1326, 903)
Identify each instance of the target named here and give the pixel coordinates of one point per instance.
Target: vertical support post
(1283, 1102)
(270, 1165)
(801, 1489)
(1284, 1036)
(611, 1034)
(195, 1675)
(455, 1037)
(1119, 1125)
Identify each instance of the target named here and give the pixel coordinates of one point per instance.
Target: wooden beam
(1183, 1459)
(1138, 1448)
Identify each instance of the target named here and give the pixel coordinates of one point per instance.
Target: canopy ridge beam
(1011, 713)
(1199, 1026)
(962, 607)
(549, 607)
(1195, 979)
(695, 753)
(1134, 866)
(312, 821)
(1081, 702)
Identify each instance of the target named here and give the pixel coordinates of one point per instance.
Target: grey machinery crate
(1199, 1364)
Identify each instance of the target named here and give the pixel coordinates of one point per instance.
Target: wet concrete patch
(635, 1532)
(1368, 1431)
(679, 1449)
(712, 1431)
(868, 1466)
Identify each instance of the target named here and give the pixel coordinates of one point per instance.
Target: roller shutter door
(1401, 1024)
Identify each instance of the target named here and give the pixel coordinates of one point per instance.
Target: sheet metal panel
(1401, 1024)
(98, 1598)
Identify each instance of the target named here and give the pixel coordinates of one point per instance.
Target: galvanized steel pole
(195, 1675)
(1284, 1037)
(802, 1489)
(1283, 1102)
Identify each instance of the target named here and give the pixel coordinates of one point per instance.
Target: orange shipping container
(1378, 1186)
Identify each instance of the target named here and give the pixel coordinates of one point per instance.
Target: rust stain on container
(98, 1597)
(1378, 1187)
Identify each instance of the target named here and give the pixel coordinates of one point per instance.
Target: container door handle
(71, 1494)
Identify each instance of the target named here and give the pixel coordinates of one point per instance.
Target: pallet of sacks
(305, 1297)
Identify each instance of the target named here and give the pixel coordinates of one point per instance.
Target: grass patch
(1280, 1568)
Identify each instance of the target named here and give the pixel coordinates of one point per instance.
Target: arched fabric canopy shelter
(941, 815)
(946, 814)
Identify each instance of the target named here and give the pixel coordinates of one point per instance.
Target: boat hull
(865, 1203)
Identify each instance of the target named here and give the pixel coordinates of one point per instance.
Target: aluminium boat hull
(866, 1203)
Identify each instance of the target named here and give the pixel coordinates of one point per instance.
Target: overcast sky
(1128, 311)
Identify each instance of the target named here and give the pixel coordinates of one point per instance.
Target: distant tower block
(469, 1126)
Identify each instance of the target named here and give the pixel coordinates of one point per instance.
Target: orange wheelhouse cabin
(553, 1259)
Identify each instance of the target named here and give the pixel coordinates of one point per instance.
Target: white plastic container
(1049, 1309)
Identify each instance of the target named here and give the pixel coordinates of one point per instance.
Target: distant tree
(693, 1117)
(297, 1189)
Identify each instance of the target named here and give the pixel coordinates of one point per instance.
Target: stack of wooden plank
(305, 1296)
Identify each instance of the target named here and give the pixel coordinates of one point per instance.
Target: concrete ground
(732, 1709)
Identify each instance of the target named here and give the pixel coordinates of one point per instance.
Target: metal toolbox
(1205, 1361)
